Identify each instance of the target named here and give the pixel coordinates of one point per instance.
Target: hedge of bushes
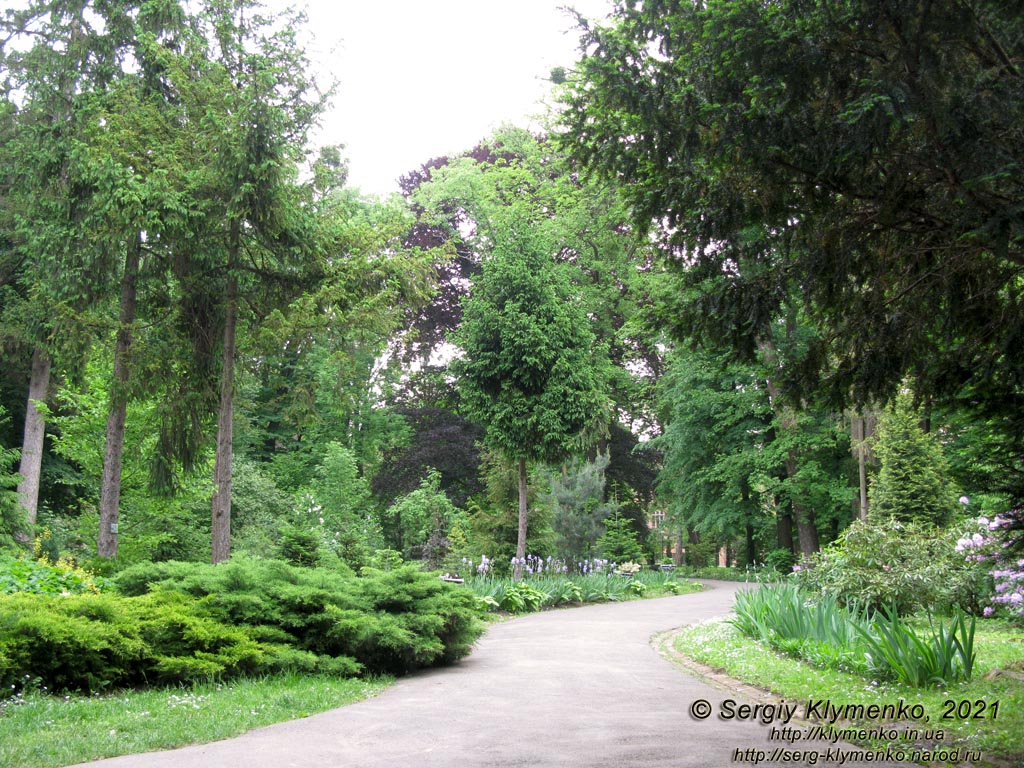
(177, 622)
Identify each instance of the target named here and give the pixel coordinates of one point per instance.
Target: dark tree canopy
(866, 154)
(440, 440)
(431, 323)
(628, 469)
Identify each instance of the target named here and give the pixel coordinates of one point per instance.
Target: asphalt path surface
(581, 687)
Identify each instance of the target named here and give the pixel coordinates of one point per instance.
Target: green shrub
(21, 574)
(141, 578)
(672, 587)
(186, 643)
(92, 642)
(895, 565)
(299, 546)
(183, 622)
(386, 559)
(568, 592)
(390, 622)
(442, 619)
(521, 597)
(781, 560)
(67, 643)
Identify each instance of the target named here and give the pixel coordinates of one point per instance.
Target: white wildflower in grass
(188, 701)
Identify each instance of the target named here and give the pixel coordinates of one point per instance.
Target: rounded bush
(895, 565)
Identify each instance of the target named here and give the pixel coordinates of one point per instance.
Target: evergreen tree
(12, 516)
(57, 59)
(578, 495)
(619, 541)
(867, 151)
(531, 372)
(912, 480)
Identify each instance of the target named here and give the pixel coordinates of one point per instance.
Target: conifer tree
(911, 484)
(530, 373)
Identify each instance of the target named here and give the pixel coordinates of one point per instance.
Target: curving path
(579, 687)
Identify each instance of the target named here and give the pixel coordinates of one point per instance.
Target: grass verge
(1000, 647)
(38, 730)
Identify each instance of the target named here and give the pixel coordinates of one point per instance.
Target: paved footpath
(582, 687)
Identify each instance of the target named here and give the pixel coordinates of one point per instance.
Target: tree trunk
(807, 531)
(31, 465)
(110, 486)
(859, 446)
(751, 544)
(803, 516)
(221, 521)
(784, 530)
(517, 573)
(862, 427)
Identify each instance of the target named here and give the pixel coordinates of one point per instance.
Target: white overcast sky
(422, 78)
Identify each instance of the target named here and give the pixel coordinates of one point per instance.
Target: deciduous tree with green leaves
(716, 421)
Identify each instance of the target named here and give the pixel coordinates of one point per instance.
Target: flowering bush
(894, 565)
(994, 544)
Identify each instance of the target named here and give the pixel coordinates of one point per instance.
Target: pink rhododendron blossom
(992, 545)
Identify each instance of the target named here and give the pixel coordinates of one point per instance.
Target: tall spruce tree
(55, 59)
(912, 484)
(250, 96)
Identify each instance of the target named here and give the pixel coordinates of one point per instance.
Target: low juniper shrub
(182, 622)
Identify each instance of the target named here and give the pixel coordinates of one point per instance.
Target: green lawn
(998, 733)
(43, 731)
